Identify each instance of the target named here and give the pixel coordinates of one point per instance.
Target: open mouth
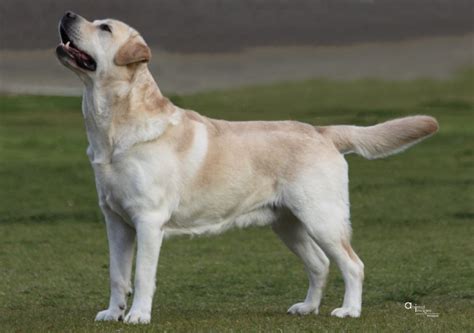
(69, 49)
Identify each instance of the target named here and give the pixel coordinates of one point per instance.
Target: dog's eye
(105, 27)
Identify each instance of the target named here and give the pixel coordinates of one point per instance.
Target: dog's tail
(383, 139)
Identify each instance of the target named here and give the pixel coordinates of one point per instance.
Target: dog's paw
(303, 309)
(137, 317)
(346, 312)
(110, 315)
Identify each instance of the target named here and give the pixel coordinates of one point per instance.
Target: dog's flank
(162, 169)
(388, 138)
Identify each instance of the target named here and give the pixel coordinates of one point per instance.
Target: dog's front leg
(121, 239)
(149, 239)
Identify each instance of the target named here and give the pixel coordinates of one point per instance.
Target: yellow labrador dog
(163, 170)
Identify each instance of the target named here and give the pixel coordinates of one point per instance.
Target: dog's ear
(133, 51)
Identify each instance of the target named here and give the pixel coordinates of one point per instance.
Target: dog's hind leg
(327, 229)
(320, 200)
(294, 235)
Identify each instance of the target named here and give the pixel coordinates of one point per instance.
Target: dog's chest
(134, 185)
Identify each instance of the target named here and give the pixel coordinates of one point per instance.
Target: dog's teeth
(67, 44)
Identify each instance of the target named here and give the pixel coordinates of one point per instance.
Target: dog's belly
(219, 206)
(181, 224)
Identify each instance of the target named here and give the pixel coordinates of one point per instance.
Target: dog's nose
(70, 15)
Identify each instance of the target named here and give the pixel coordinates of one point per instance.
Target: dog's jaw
(70, 55)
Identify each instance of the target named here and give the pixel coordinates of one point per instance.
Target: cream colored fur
(381, 140)
(163, 170)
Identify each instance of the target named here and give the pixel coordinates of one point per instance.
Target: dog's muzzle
(67, 50)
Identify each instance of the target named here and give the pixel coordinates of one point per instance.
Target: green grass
(412, 216)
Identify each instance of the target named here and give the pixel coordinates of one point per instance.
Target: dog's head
(100, 49)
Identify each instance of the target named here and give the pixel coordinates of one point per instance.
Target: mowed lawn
(412, 216)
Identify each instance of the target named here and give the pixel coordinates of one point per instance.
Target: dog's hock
(133, 51)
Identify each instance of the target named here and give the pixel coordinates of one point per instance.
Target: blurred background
(217, 44)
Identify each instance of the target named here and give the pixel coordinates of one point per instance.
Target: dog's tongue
(80, 56)
(76, 52)
(83, 56)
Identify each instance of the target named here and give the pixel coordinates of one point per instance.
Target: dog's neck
(121, 114)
